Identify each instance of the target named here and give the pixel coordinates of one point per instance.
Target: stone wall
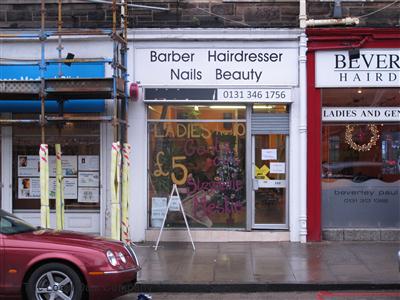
(20, 14)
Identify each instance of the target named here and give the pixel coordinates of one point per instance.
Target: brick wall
(213, 13)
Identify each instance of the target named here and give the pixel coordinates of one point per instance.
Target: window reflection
(80, 146)
(202, 150)
(360, 164)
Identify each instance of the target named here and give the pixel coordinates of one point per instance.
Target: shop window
(80, 146)
(202, 150)
(334, 147)
(361, 158)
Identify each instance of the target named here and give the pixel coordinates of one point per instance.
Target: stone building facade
(23, 14)
(179, 35)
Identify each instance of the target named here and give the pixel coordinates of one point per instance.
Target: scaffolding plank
(58, 88)
(27, 89)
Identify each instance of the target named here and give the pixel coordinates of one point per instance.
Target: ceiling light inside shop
(263, 106)
(359, 91)
(227, 106)
(196, 108)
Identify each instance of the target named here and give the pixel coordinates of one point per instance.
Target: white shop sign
(271, 183)
(217, 66)
(374, 68)
(361, 114)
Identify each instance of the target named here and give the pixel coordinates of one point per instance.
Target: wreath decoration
(364, 147)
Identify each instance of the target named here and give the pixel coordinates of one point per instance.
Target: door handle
(255, 184)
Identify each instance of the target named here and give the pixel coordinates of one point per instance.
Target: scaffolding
(115, 88)
(62, 89)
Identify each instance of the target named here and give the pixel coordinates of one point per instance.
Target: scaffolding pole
(115, 191)
(44, 186)
(42, 70)
(126, 150)
(60, 47)
(119, 96)
(59, 190)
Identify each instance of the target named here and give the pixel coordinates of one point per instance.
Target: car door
(10, 281)
(1, 261)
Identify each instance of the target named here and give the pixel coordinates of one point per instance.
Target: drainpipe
(303, 137)
(302, 14)
(332, 22)
(327, 22)
(304, 23)
(303, 124)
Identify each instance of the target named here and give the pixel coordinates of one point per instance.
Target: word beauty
(195, 74)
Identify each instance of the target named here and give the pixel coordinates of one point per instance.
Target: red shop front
(353, 125)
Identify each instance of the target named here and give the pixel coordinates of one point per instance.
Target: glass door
(269, 161)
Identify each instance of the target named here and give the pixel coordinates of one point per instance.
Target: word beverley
(216, 56)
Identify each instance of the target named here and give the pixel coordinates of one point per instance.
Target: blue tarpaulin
(32, 72)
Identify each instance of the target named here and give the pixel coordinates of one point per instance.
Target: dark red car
(45, 264)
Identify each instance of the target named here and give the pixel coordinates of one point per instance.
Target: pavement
(268, 266)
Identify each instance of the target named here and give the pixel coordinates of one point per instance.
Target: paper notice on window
(69, 165)
(268, 154)
(277, 168)
(28, 188)
(70, 188)
(88, 179)
(158, 207)
(89, 163)
(88, 195)
(28, 165)
(174, 206)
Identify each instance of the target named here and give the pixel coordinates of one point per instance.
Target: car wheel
(54, 281)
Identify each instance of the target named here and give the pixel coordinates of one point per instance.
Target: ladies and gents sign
(360, 114)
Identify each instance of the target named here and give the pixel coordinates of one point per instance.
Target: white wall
(186, 38)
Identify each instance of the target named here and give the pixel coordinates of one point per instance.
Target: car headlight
(111, 258)
(122, 257)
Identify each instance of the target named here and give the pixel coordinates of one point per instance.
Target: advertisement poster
(88, 179)
(268, 154)
(277, 167)
(89, 163)
(174, 206)
(28, 165)
(158, 207)
(28, 188)
(88, 195)
(70, 188)
(69, 165)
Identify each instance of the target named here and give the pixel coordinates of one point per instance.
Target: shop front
(84, 144)
(220, 119)
(354, 134)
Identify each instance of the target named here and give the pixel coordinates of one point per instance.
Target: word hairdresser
(213, 58)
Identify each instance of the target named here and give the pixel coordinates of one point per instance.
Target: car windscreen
(10, 224)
